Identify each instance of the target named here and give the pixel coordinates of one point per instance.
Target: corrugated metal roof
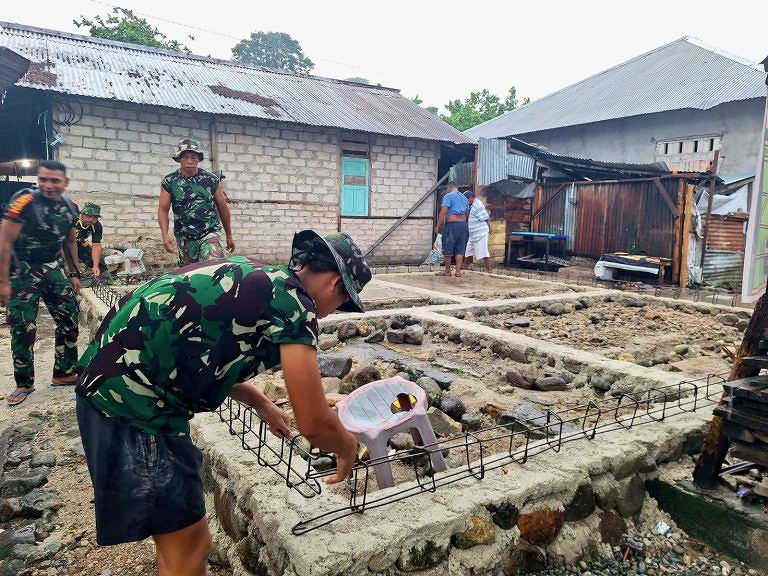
(683, 74)
(83, 66)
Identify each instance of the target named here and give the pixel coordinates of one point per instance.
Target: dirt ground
(647, 333)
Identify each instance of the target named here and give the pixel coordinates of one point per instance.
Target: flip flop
(70, 382)
(18, 396)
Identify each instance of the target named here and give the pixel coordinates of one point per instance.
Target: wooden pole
(716, 443)
(687, 189)
(709, 209)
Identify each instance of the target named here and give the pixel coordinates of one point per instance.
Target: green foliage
(274, 50)
(358, 79)
(478, 108)
(125, 26)
(418, 101)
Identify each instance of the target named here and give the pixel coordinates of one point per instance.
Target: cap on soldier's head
(184, 145)
(350, 262)
(91, 209)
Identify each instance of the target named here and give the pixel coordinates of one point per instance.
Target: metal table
(529, 238)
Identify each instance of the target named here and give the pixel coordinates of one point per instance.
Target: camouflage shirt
(178, 344)
(45, 225)
(83, 232)
(194, 210)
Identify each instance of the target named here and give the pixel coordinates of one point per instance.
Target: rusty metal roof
(684, 74)
(95, 68)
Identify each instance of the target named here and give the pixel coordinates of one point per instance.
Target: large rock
(414, 334)
(327, 341)
(504, 515)
(728, 319)
(742, 324)
(601, 382)
(631, 496)
(518, 380)
(681, 349)
(518, 322)
(524, 559)
(541, 527)
(442, 424)
(526, 416)
(634, 303)
(334, 366)
(443, 379)
(399, 322)
(453, 406)
(401, 441)
(612, 528)
(555, 309)
(470, 422)
(418, 558)
(36, 503)
(347, 330)
(581, 505)
(481, 532)
(395, 336)
(432, 389)
(551, 384)
(359, 377)
(375, 337)
(41, 458)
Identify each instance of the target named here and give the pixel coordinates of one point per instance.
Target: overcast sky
(441, 50)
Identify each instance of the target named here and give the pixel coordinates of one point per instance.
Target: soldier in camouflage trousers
(199, 209)
(35, 227)
(182, 344)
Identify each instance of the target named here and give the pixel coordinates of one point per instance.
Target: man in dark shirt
(88, 226)
(199, 209)
(35, 226)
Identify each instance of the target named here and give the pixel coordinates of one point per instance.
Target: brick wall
(279, 178)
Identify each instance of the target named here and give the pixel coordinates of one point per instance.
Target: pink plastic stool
(367, 413)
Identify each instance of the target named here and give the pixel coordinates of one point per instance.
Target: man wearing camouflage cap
(199, 209)
(182, 344)
(88, 226)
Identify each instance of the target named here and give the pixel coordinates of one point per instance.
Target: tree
(124, 26)
(418, 101)
(478, 108)
(274, 50)
(357, 79)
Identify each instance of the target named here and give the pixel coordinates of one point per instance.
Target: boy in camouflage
(88, 226)
(35, 226)
(181, 344)
(199, 208)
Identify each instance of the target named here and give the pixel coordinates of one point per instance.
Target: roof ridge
(173, 53)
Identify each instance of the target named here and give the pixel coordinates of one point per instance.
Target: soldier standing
(88, 226)
(36, 224)
(199, 209)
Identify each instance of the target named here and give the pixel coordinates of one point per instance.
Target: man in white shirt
(479, 228)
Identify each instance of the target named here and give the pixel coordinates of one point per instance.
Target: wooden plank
(736, 432)
(750, 452)
(742, 418)
(754, 388)
(666, 198)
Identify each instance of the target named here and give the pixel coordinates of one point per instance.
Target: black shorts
(455, 236)
(142, 484)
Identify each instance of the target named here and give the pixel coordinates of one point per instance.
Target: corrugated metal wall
(494, 164)
(611, 216)
(724, 260)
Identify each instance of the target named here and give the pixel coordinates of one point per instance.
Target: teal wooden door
(354, 186)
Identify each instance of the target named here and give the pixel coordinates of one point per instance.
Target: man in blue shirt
(453, 212)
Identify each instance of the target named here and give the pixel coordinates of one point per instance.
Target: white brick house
(296, 151)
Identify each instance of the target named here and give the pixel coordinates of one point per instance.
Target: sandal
(70, 380)
(18, 396)
(442, 274)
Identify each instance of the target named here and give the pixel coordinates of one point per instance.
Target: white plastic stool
(367, 413)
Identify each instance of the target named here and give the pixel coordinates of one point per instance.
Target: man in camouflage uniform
(36, 224)
(199, 208)
(88, 226)
(181, 344)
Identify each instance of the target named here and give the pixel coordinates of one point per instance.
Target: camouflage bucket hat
(184, 145)
(91, 209)
(349, 259)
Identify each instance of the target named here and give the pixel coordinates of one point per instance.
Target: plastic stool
(367, 413)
